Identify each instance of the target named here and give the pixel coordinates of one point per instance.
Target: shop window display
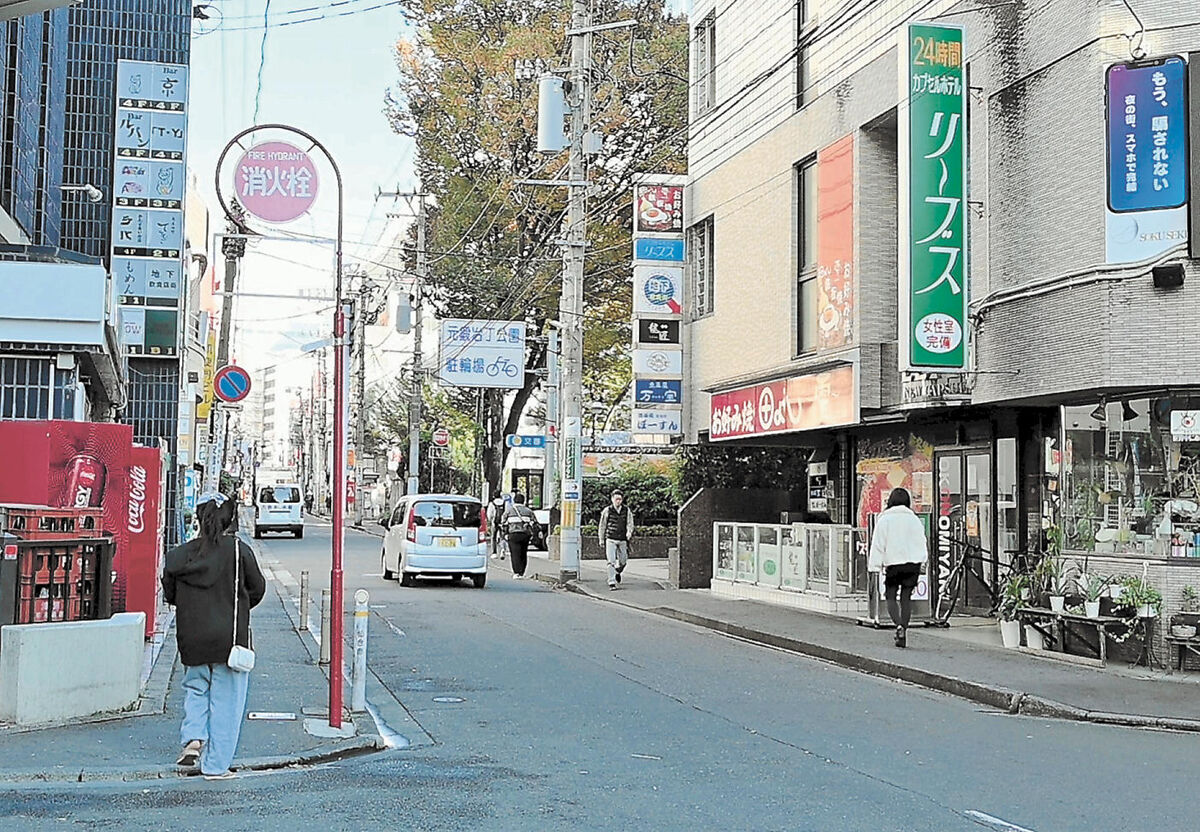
(1131, 478)
(891, 462)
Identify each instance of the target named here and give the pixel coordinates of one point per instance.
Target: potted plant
(1012, 597)
(1060, 581)
(1186, 622)
(1034, 638)
(1094, 587)
(1041, 580)
(1142, 596)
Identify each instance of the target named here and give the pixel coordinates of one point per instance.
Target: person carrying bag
(213, 582)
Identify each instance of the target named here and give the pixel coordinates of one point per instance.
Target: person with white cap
(213, 581)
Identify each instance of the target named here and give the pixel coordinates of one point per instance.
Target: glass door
(964, 526)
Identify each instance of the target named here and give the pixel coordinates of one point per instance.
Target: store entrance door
(964, 523)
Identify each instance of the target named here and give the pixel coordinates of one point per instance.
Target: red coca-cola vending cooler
(144, 522)
(57, 463)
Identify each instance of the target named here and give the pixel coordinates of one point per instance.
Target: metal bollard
(326, 626)
(304, 601)
(358, 683)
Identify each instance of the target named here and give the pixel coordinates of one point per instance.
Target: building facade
(33, 86)
(803, 276)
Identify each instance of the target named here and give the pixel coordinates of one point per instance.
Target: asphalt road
(578, 714)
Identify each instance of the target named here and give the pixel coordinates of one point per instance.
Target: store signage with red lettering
(801, 403)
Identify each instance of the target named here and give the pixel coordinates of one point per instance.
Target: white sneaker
(495, 556)
(517, 577)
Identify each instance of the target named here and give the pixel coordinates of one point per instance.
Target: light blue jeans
(617, 554)
(214, 704)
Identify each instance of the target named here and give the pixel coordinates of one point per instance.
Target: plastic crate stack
(63, 564)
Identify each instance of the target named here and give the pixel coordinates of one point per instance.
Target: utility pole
(360, 395)
(571, 304)
(233, 247)
(418, 381)
(550, 471)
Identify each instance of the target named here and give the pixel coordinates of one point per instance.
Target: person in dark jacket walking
(519, 521)
(199, 581)
(615, 532)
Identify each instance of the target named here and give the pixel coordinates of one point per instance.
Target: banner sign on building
(1147, 153)
(933, 167)
(482, 354)
(658, 297)
(835, 245)
(149, 179)
(800, 403)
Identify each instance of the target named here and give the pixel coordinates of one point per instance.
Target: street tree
(493, 243)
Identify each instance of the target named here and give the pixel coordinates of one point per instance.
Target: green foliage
(1190, 598)
(493, 242)
(1012, 596)
(728, 466)
(592, 529)
(649, 493)
(1139, 593)
(1094, 586)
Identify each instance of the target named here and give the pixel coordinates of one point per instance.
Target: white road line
(994, 822)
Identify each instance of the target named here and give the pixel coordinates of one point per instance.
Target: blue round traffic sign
(231, 383)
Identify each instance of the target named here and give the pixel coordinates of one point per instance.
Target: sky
(328, 77)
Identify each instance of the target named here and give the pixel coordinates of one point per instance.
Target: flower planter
(1183, 631)
(1058, 603)
(1092, 608)
(1034, 638)
(1147, 611)
(1010, 633)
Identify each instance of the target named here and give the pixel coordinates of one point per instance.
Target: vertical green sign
(933, 173)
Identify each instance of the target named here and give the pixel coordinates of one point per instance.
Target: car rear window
(447, 513)
(279, 494)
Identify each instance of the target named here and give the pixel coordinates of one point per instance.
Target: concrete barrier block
(66, 670)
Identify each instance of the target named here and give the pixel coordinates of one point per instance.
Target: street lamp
(89, 190)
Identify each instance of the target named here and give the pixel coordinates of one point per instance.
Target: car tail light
(483, 527)
(412, 526)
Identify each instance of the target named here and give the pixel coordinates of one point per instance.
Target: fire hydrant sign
(933, 166)
(276, 181)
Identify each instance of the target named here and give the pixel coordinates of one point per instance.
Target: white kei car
(436, 535)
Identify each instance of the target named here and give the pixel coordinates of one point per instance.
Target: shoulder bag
(241, 658)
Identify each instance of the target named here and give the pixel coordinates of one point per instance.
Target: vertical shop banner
(658, 301)
(149, 179)
(1147, 153)
(835, 245)
(933, 175)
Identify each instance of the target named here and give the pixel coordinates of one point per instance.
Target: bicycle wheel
(948, 595)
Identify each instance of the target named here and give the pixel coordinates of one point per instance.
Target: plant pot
(1010, 633)
(1092, 608)
(1058, 603)
(1146, 611)
(1183, 631)
(1034, 638)
(1116, 592)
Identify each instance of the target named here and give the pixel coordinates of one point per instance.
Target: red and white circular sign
(441, 437)
(276, 181)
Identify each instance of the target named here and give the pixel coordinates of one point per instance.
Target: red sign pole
(268, 203)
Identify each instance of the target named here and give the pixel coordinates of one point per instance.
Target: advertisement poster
(835, 245)
(657, 290)
(801, 403)
(1147, 147)
(658, 209)
(58, 463)
(933, 226)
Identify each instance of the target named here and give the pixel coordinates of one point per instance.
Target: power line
(262, 61)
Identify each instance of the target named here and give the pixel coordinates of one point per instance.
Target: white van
(278, 503)
(441, 535)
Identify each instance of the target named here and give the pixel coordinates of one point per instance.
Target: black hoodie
(199, 582)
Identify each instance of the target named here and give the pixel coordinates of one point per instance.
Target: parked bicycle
(950, 590)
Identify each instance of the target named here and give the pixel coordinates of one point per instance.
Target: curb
(994, 696)
(350, 748)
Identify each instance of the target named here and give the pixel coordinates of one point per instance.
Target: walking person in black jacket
(199, 580)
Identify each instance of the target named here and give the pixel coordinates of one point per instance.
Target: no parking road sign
(231, 383)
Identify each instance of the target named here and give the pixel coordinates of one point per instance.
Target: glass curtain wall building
(33, 77)
(103, 32)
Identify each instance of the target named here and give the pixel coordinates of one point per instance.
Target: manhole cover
(448, 699)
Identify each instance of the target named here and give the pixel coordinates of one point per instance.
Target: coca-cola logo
(137, 499)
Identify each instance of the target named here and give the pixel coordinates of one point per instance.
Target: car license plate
(448, 542)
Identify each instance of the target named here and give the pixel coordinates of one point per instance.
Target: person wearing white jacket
(898, 548)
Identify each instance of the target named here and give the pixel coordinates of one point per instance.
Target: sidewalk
(144, 746)
(958, 661)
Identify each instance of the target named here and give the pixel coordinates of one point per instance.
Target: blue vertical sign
(1147, 135)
